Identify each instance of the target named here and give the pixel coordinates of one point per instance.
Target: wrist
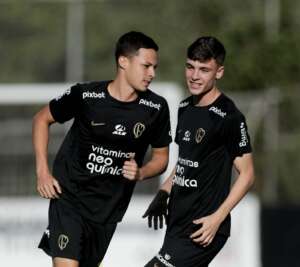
(141, 175)
(163, 194)
(222, 214)
(42, 171)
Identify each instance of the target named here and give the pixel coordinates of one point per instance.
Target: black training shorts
(71, 236)
(183, 252)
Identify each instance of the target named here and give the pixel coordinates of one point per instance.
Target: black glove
(157, 210)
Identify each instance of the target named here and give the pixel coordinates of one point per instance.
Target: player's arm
(158, 208)
(211, 223)
(167, 184)
(47, 185)
(155, 166)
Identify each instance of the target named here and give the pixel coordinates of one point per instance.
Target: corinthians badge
(62, 241)
(138, 129)
(199, 135)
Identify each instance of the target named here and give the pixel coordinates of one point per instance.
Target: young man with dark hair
(212, 136)
(101, 158)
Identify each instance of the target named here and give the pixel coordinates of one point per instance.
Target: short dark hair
(206, 48)
(129, 43)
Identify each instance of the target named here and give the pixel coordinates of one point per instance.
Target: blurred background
(46, 45)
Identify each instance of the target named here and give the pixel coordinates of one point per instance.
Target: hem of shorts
(52, 255)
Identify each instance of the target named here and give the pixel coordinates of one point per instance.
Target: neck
(121, 91)
(207, 98)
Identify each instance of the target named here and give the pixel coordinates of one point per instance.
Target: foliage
(33, 39)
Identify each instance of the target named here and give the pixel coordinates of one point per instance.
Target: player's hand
(48, 186)
(157, 210)
(131, 170)
(209, 226)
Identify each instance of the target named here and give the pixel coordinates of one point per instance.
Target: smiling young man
(101, 158)
(196, 199)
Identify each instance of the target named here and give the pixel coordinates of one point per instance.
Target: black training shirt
(209, 140)
(105, 133)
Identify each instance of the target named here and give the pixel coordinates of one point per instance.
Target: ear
(220, 72)
(123, 62)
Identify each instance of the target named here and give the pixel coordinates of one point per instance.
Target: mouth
(147, 82)
(195, 84)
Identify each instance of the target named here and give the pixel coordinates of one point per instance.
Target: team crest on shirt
(62, 241)
(119, 130)
(199, 135)
(138, 129)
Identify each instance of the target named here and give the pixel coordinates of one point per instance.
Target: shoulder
(91, 89)
(92, 85)
(185, 102)
(225, 108)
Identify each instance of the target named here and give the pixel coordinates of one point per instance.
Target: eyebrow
(149, 63)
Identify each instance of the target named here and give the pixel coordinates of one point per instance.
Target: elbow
(42, 117)
(164, 167)
(164, 164)
(36, 119)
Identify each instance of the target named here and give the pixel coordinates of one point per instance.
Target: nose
(195, 75)
(151, 72)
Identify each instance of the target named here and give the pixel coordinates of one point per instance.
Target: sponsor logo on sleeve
(67, 92)
(244, 138)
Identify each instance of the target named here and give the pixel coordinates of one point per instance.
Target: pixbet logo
(218, 111)
(183, 104)
(88, 94)
(149, 104)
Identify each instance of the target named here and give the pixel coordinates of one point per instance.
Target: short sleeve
(161, 129)
(236, 136)
(63, 107)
